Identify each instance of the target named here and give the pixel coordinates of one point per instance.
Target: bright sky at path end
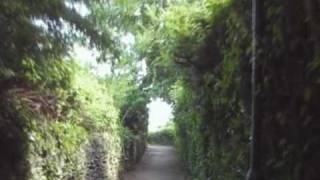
(160, 113)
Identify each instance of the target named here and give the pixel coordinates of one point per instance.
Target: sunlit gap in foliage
(87, 57)
(160, 114)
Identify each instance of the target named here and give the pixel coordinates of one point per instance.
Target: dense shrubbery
(198, 55)
(134, 115)
(165, 136)
(204, 62)
(57, 120)
(60, 114)
(59, 123)
(198, 50)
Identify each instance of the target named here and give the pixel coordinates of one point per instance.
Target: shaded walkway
(159, 163)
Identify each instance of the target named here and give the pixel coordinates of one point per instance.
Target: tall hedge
(60, 133)
(224, 62)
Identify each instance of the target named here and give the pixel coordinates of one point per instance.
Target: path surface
(158, 163)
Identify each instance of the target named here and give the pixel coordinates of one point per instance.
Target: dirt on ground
(158, 163)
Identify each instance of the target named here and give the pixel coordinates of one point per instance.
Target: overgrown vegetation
(217, 72)
(165, 136)
(57, 128)
(58, 121)
(196, 56)
(218, 62)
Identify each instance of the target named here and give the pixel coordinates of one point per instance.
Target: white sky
(160, 113)
(88, 57)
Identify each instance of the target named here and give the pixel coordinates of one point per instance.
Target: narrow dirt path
(159, 163)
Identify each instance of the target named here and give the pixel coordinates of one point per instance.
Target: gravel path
(159, 163)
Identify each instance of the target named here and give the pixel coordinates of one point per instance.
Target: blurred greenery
(165, 136)
(198, 57)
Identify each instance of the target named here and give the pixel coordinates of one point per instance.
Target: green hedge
(52, 141)
(165, 136)
(200, 62)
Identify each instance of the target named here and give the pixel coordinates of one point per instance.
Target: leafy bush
(194, 63)
(134, 115)
(165, 136)
(56, 142)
